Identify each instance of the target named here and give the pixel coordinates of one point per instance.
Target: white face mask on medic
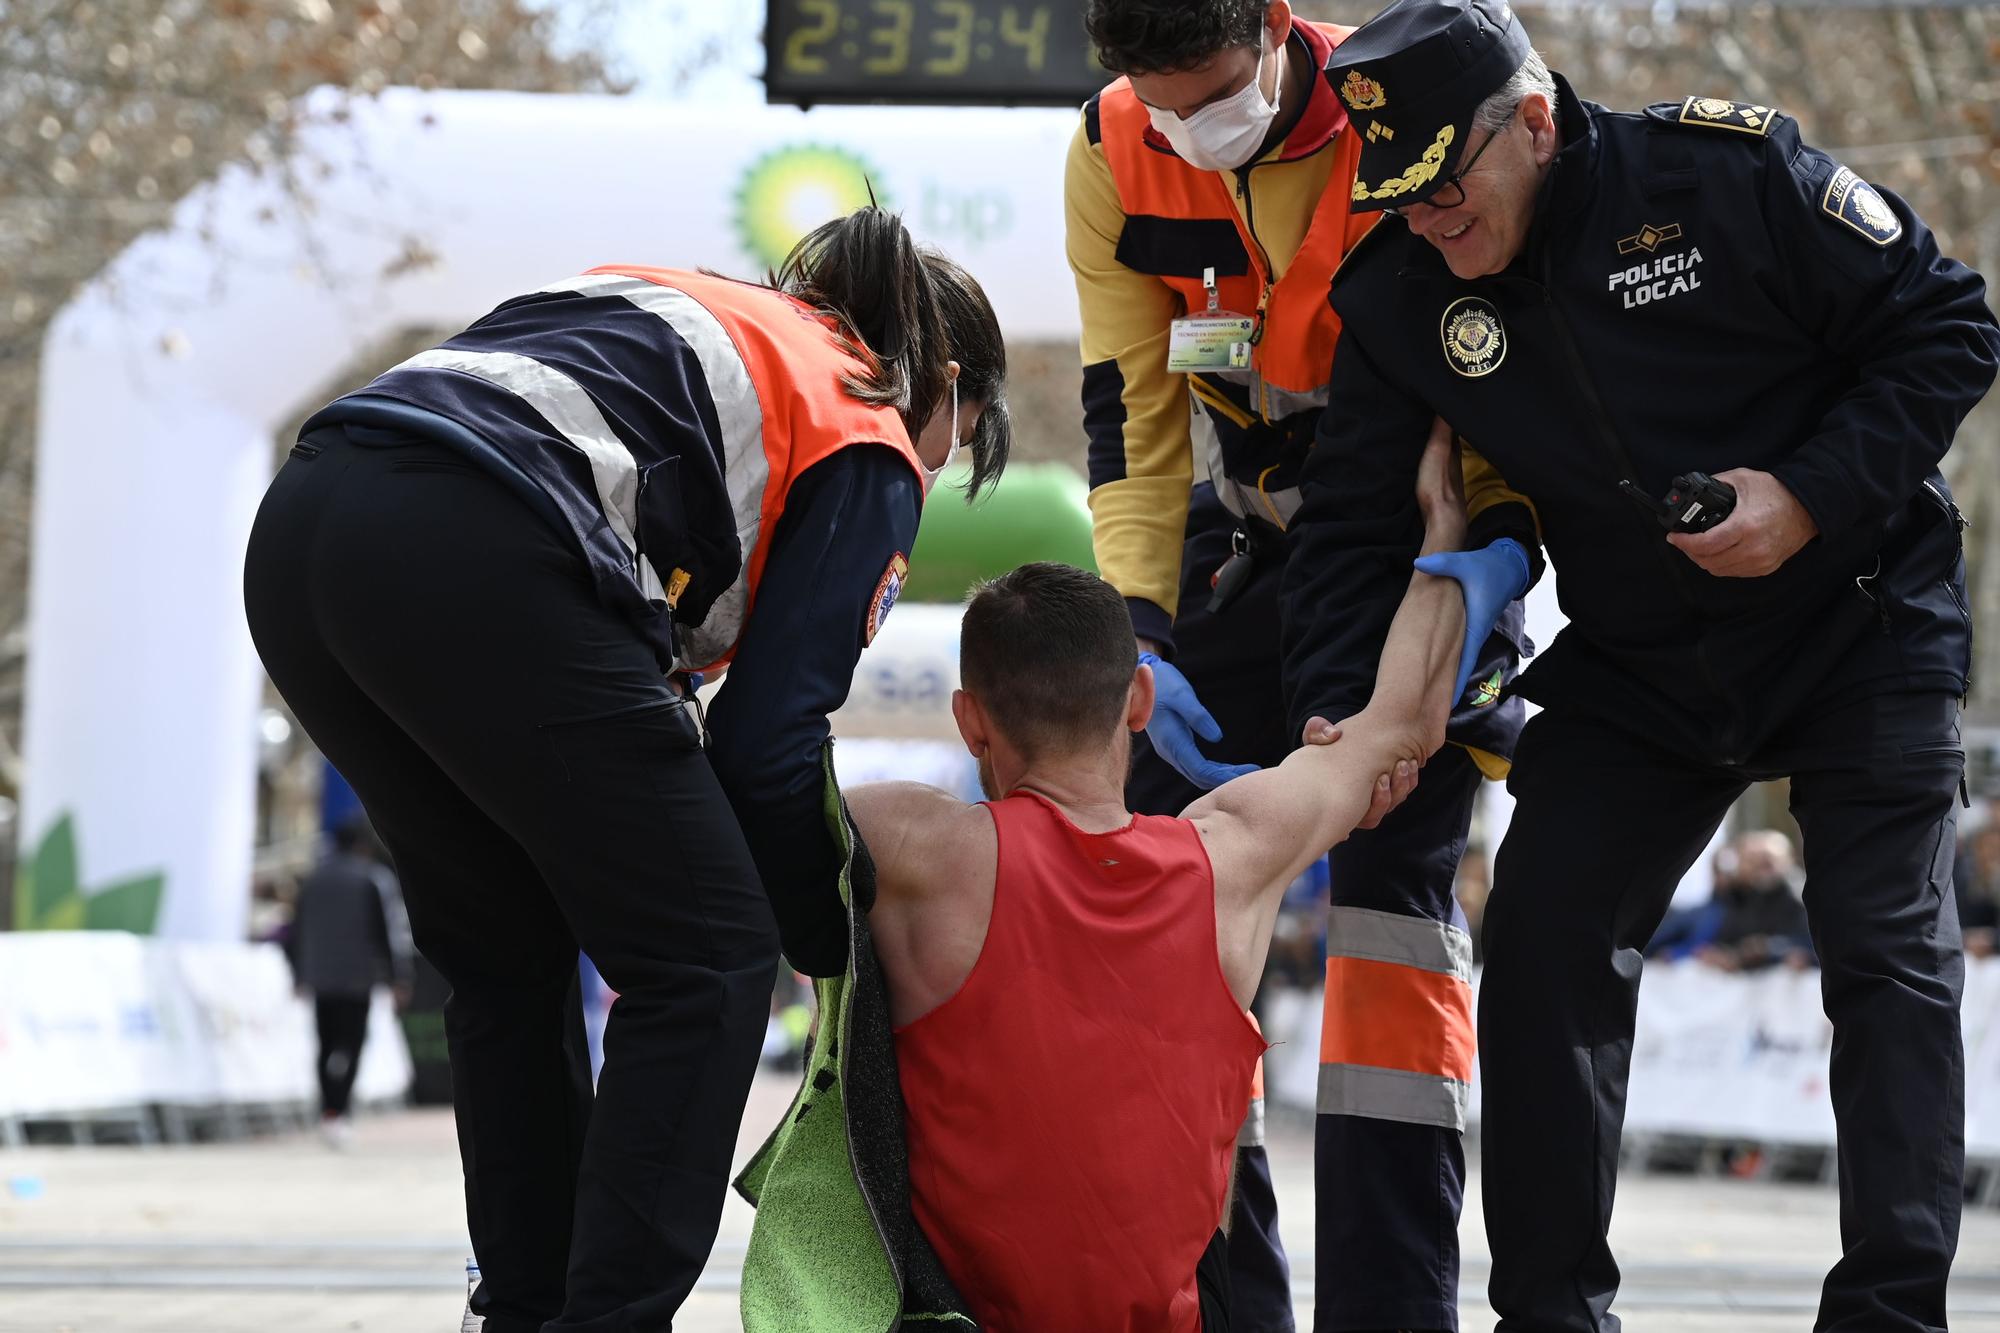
(1224, 135)
(931, 474)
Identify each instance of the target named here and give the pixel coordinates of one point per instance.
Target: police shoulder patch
(887, 590)
(1854, 201)
(1717, 113)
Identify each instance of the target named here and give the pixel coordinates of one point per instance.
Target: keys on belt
(1249, 548)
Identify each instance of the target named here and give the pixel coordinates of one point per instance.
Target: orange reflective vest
(787, 357)
(1181, 221)
(667, 414)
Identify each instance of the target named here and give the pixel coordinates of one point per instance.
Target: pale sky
(650, 40)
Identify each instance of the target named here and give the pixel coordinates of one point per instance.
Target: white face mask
(1224, 135)
(931, 474)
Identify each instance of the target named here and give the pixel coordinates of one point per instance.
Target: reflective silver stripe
(1407, 941)
(1393, 1094)
(745, 470)
(1239, 498)
(1252, 1133)
(565, 405)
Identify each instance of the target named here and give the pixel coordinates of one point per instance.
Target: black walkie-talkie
(1695, 503)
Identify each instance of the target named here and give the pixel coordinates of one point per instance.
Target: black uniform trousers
(1388, 1194)
(541, 788)
(1605, 826)
(342, 1024)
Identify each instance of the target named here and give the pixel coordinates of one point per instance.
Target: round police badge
(1475, 343)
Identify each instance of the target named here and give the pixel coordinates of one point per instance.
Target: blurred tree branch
(111, 111)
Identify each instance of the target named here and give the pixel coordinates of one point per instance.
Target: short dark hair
(1048, 651)
(1163, 36)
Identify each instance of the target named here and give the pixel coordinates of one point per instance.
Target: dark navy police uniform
(1699, 290)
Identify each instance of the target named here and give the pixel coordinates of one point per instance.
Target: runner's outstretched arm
(1262, 830)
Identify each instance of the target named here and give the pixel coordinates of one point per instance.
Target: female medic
(483, 583)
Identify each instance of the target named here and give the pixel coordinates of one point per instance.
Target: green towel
(835, 1248)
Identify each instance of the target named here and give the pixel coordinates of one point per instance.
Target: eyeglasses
(1452, 193)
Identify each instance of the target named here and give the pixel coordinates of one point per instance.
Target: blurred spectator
(1755, 918)
(1976, 879)
(349, 934)
(1763, 920)
(1298, 939)
(787, 1034)
(270, 912)
(1475, 881)
(1686, 929)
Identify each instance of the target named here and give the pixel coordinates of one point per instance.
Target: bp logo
(789, 191)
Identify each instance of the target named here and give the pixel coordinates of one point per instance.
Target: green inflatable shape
(1038, 511)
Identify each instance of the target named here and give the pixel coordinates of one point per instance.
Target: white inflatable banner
(1715, 1055)
(102, 1020)
(164, 383)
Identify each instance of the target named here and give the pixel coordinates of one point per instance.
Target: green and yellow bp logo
(789, 191)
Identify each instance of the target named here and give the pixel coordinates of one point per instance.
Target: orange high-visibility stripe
(1387, 1016)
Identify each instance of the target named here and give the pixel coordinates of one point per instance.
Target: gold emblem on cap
(1650, 238)
(1362, 93)
(1475, 342)
(1377, 130)
(1421, 172)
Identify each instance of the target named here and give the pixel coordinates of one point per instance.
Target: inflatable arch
(165, 381)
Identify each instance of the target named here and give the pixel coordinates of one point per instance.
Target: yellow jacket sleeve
(1494, 510)
(1136, 412)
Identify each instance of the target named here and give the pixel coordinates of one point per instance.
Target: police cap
(1411, 78)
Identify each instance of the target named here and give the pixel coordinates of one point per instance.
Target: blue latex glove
(1178, 720)
(1490, 578)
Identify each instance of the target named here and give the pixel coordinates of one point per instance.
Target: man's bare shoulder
(918, 834)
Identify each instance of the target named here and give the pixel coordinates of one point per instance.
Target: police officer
(1605, 300)
(485, 583)
(1207, 198)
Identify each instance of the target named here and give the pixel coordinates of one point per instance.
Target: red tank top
(1073, 1109)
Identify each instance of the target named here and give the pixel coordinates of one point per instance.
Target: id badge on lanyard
(1216, 339)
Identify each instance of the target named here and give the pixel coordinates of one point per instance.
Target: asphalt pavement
(286, 1236)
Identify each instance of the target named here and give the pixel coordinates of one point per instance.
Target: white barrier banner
(103, 1020)
(1982, 1059)
(82, 1025)
(1714, 1055)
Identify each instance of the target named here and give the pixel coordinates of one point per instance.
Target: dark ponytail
(865, 270)
(908, 312)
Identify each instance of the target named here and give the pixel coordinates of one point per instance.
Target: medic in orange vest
(483, 582)
(1208, 207)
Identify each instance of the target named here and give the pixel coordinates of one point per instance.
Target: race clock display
(931, 51)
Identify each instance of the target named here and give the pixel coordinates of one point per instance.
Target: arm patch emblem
(886, 592)
(1854, 201)
(1719, 114)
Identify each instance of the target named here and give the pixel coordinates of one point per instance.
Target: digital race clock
(937, 51)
